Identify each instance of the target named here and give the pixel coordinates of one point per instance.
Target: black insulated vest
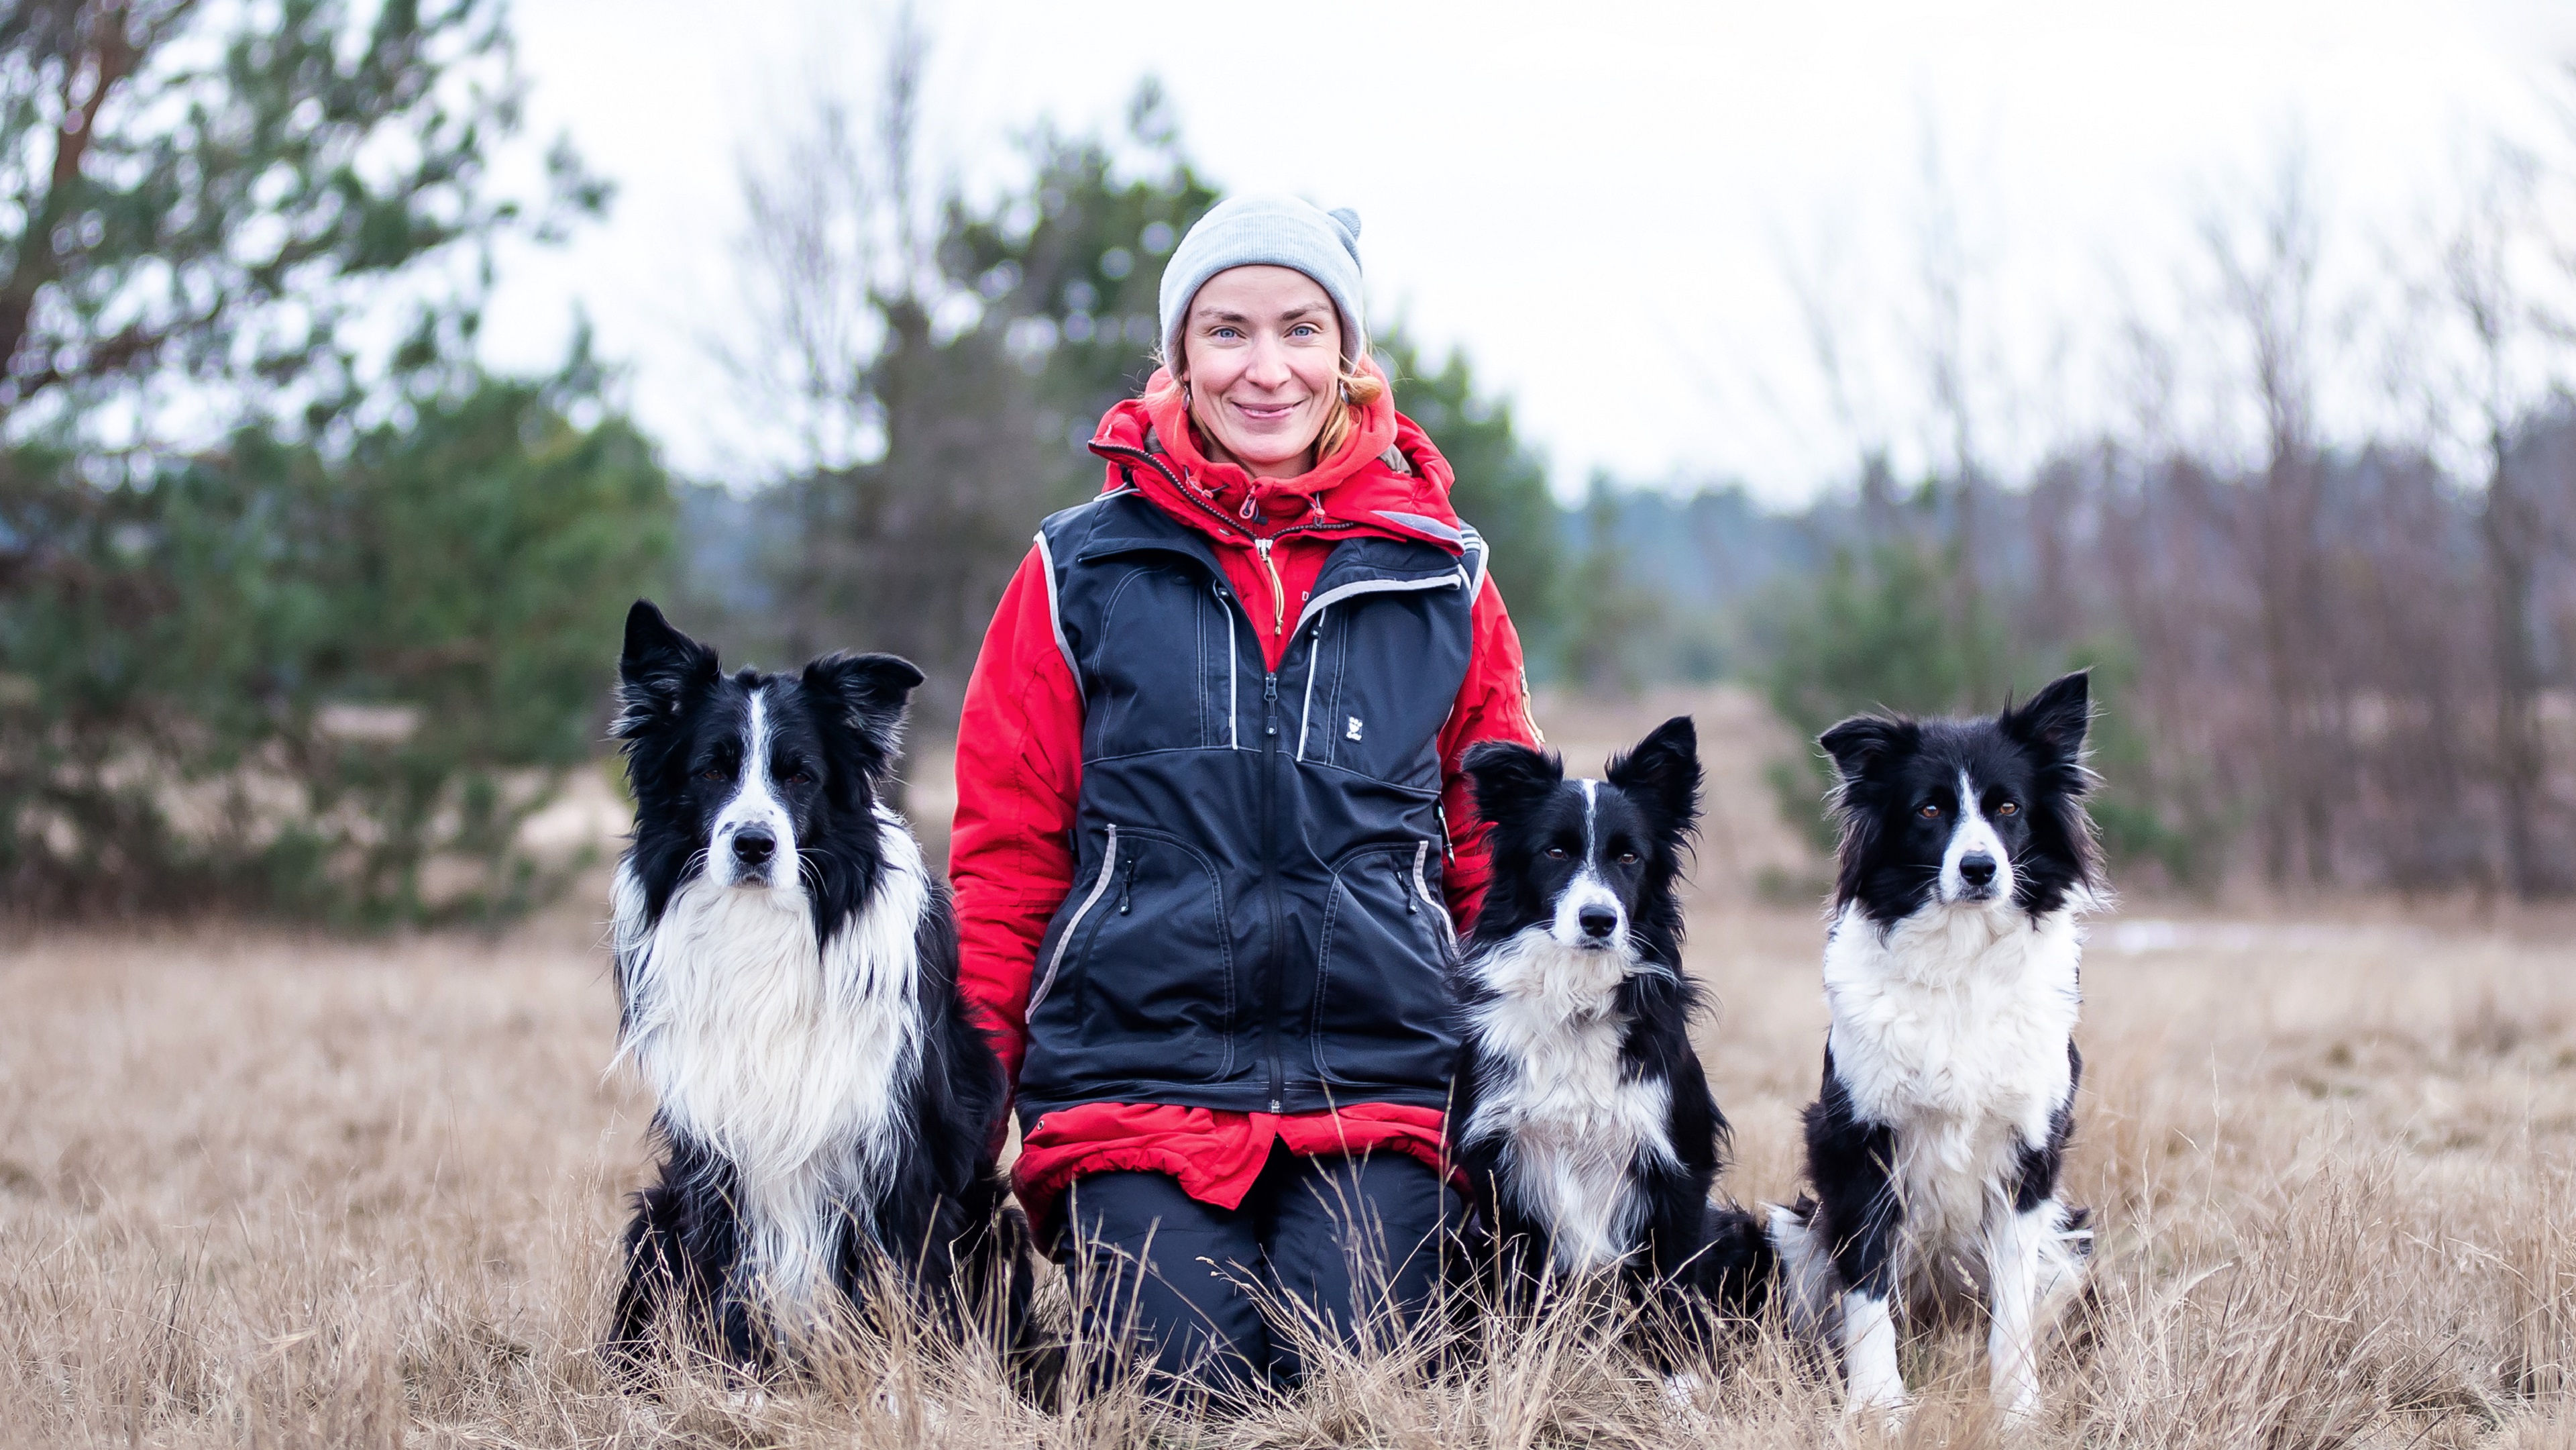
(1256, 923)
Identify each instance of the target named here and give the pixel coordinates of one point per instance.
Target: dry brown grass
(257, 1190)
(264, 1191)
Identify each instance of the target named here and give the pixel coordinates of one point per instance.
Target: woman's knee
(1154, 1269)
(1364, 1236)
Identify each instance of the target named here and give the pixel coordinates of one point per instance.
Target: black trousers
(1356, 1242)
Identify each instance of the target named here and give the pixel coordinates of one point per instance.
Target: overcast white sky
(1600, 202)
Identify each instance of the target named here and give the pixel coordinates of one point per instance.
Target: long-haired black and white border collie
(1587, 1125)
(1950, 1070)
(786, 973)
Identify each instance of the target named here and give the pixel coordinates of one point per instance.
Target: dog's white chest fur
(787, 1059)
(1570, 1121)
(1952, 1029)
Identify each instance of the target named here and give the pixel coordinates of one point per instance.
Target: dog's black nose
(1597, 920)
(1977, 869)
(753, 846)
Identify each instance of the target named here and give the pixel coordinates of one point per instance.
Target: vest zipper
(1099, 888)
(1270, 767)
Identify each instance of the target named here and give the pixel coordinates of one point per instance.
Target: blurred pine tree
(328, 665)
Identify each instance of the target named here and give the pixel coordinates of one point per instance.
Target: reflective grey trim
(1475, 543)
(1099, 888)
(1306, 711)
(1422, 888)
(1421, 524)
(1233, 729)
(1317, 604)
(1055, 615)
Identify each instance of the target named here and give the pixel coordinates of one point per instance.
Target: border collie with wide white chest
(1950, 1070)
(1587, 1125)
(786, 974)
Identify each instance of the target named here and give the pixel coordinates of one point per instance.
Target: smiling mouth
(1266, 412)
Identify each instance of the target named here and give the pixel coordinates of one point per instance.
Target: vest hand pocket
(1382, 994)
(1146, 990)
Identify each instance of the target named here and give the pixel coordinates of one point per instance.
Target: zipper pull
(1248, 505)
(1404, 888)
(1127, 888)
(1278, 591)
(1270, 693)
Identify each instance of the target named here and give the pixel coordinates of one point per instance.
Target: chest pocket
(1159, 669)
(1370, 712)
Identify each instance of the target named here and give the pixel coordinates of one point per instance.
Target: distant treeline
(2323, 681)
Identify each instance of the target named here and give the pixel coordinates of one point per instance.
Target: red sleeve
(1019, 772)
(1493, 704)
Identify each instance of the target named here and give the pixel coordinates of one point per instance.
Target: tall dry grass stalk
(257, 1191)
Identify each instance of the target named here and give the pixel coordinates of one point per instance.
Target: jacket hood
(1387, 478)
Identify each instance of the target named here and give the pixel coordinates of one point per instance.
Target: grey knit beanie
(1276, 231)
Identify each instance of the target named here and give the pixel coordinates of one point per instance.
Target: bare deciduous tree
(2266, 265)
(2482, 261)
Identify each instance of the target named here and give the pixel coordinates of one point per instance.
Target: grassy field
(259, 1190)
(262, 1191)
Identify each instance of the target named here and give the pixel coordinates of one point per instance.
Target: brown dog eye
(712, 772)
(1627, 858)
(2008, 809)
(1556, 853)
(798, 777)
(1930, 813)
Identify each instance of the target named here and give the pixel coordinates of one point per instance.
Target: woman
(1213, 849)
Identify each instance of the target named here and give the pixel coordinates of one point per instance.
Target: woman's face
(1261, 352)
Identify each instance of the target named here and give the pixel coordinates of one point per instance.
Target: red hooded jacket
(1019, 774)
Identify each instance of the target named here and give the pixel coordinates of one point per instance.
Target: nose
(1268, 366)
(1977, 869)
(1597, 921)
(753, 845)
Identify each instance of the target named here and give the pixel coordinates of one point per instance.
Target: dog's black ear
(1663, 772)
(1510, 778)
(1863, 743)
(2056, 718)
(660, 665)
(869, 693)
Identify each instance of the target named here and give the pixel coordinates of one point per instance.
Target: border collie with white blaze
(786, 975)
(1588, 1128)
(1950, 1068)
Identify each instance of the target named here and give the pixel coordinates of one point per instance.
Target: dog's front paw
(1885, 1406)
(2020, 1413)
